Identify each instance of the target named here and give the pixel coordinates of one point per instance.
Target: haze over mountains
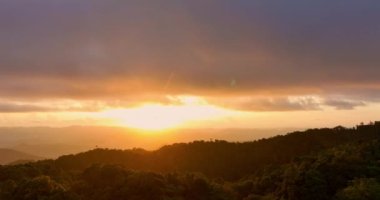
(8, 156)
(54, 142)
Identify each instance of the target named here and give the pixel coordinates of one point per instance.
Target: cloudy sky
(264, 63)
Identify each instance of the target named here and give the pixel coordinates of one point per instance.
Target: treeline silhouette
(338, 163)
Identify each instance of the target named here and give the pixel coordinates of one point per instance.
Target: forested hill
(317, 164)
(220, 158)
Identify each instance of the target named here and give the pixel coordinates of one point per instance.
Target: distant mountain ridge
(54, 142)
(8, 156)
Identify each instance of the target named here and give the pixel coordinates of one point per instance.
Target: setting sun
(158, 117)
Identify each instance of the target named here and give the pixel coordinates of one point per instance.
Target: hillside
(8, 156)
(218, 158)
(324, 164)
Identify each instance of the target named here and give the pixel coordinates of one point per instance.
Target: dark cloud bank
(117, 49)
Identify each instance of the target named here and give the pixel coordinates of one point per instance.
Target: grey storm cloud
(94, 48)
(340, 104)
(17, 108)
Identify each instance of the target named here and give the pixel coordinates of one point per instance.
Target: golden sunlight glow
(159, 117)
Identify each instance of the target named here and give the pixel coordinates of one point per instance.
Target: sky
(199, 63)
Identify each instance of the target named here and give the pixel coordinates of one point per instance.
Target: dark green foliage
(341, 164)
(360, 189)
(321, 175)
(113, 182)
(40, 188)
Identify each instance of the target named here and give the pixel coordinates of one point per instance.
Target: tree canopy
(339, 163)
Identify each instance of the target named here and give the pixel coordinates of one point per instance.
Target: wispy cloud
(265, 104)
(8, 106)
(342, 104)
